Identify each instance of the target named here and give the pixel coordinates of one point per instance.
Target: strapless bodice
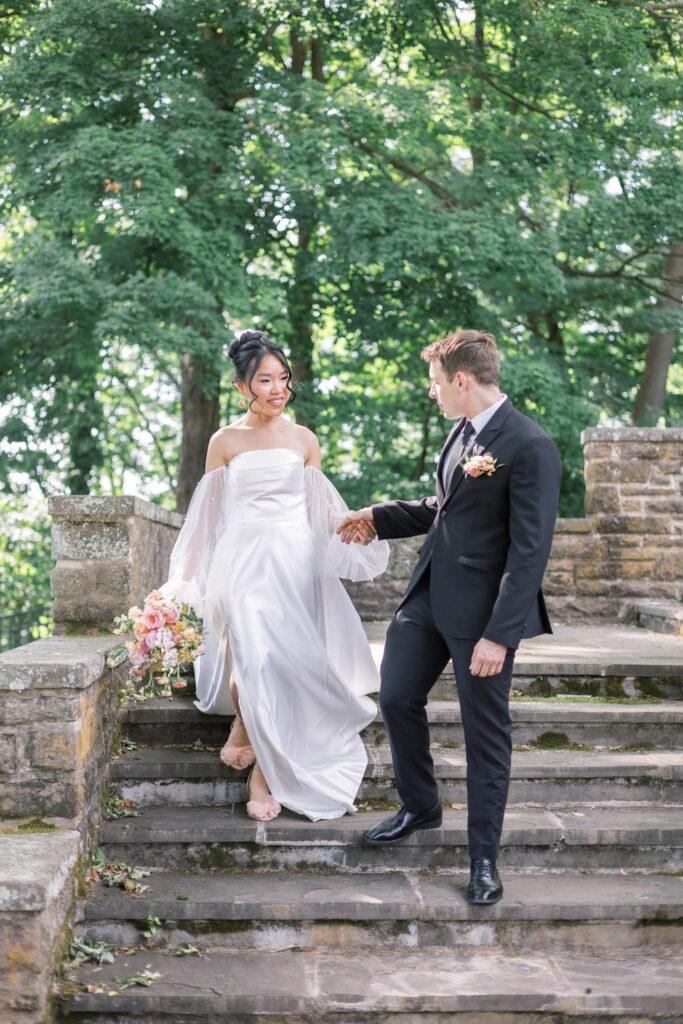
(267, 485)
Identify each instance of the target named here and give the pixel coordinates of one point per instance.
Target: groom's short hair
(469, 351)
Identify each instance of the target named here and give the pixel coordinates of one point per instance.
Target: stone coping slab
(583, 650)
(632, 434)
(178, 709)
(105, 508)
(396, 895)
(536, 826)
(174, 762)
(673, 610)
(56, 662)
(35, 867)
(367, 983)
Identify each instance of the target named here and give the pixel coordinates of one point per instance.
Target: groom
(474, 594)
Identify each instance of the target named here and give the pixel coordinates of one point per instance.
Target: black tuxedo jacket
(488, 538)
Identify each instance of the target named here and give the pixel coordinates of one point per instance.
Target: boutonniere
(480, 463)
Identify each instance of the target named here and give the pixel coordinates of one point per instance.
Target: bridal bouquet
(166, 636)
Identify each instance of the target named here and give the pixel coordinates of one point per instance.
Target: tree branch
(411, 172)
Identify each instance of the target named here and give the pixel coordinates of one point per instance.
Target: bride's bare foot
(262, 805)
(237, 752)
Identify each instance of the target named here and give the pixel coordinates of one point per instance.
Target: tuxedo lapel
(481, 441)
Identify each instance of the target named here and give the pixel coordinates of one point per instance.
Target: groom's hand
(358, 526)
(487, 658)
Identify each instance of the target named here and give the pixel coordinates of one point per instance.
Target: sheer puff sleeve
(326, 509)
(191, 555)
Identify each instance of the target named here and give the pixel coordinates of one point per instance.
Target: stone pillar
(59, 704)
(109, 553)
(37, 881)
(629, 548)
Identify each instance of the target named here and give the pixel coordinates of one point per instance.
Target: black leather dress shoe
(485, 885)
(399, 826)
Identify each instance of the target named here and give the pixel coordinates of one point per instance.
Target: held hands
(358, 527)
(487, 658)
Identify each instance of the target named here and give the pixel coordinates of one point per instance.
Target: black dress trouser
(415, 655)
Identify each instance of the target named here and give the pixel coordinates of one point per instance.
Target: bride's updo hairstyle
(247, 352)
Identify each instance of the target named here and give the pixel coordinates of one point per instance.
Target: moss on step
(551, 741)
(577, 698)
(36, 825)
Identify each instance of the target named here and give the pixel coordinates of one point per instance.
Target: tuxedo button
(444, 512)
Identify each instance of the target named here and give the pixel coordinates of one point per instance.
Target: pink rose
(474, 471)
(153, 618)
(171, 614)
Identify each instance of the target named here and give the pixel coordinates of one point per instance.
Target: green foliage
(25, 561)
(356, 178)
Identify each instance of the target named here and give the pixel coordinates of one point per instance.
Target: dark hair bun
(243, 341)
(247, 351)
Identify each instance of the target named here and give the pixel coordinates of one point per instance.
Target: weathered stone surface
(598, 837)
(34, 867)
(65, 663)
(62, 703)
(661, 618)
(394, 910)
(37, 877)
(107, 508)
(402, 981)
(123, 544)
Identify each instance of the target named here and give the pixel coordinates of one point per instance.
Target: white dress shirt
(456, 452)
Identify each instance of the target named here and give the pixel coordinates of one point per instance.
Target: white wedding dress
(259, 559)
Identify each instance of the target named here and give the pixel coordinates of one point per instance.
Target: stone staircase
(299, 922)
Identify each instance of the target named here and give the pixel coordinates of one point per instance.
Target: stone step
(604, 724)
(660, 617)
(309, 910)
(597, 838)
(605, 660)
(386, 986)
(153, 775)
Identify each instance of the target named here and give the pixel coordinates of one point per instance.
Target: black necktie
(460, 447)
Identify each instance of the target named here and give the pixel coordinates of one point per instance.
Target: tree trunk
(651, 396)
(476, 98)
(299, 308)
(199, 396)
(302, 289)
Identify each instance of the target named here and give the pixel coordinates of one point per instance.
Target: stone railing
(109, 553)
(58, 723)
(628, 548)
(630, 545)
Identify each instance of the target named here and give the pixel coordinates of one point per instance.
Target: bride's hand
(358, 527)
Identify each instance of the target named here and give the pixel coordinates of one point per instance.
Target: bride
(259, 559)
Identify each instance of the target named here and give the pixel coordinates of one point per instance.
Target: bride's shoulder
(223, 445)
(308, 441)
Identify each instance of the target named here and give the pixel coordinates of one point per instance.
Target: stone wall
(112, 551)
(59, 705)
(630, 545)
(37, 880)
(58, 716)
(109, 553)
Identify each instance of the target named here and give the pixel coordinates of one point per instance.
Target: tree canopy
(355, 178)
